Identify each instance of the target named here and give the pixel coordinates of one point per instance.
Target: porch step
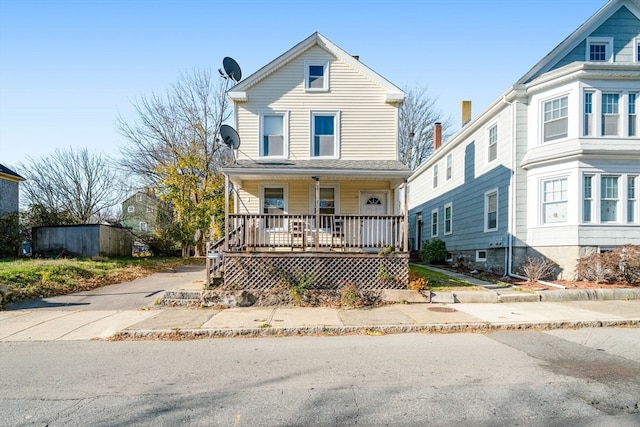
(181, 298)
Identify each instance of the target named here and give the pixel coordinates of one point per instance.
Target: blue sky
(69, 68)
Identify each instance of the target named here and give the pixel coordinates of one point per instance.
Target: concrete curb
(589, 294)
(186, 334)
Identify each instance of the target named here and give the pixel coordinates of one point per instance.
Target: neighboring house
(551, 168)
(87, 240)
(9, 183)
(317, 178)
(145, 213)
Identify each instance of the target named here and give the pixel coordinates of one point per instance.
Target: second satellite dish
(232, 68)
(230, 137)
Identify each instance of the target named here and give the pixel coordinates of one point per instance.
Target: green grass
(439, 282)
(32, 278)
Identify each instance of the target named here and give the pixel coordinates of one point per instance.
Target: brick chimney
(437, 135)
(466, 112)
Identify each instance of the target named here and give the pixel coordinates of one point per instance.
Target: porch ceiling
(304, 170)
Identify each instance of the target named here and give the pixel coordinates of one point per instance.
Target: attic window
(599, 49)
(316, 76)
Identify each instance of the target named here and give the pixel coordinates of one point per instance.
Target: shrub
(538, 268)
(9, 235)
(622, 264)
(417, 282)
(433, 252)
(349, 295)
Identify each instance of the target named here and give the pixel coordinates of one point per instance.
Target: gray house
(9, 182)
(550, 169)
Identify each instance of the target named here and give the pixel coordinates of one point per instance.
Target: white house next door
(374, 231)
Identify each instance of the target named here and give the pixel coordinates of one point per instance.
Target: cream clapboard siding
(368, 128)
(300, 193)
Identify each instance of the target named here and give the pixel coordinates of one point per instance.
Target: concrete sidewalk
(54, 325)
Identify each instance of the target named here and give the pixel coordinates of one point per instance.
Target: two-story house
(317, 178)
(144, 213)
(551, 168)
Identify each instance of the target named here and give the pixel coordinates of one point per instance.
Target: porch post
(226, 212)
(316, 236)
(405, 226)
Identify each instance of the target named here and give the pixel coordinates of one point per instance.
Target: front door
(375, 231)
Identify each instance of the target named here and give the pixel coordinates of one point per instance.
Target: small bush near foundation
(622, 265)
(433, 252)
(349, 295)
(538, 268)
(417, 282)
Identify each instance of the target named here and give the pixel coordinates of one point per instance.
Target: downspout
(512, 195)
(405, 227)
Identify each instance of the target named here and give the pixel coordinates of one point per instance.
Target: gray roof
(6, 171)
(331, 167)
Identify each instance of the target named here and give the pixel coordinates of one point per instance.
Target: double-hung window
(588, 114)
(434, 223)
(587, 199)
(435, 176)
(448, 218)
(632, 198)
(632, 113)
(554, 200)
(143, 227)
(492, 152)
(609, 196)
(274, 203)
(491, 210)
(316, 76)
(610, 113)
(555, 121)
(325, 136)
(273, 135)
(449, 172)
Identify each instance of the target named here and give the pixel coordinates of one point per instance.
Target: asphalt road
(131, 295)
(585, 377)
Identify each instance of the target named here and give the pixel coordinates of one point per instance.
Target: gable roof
(8, 174)
(581, 33)
(394, 93)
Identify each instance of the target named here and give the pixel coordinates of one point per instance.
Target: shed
(87, 240)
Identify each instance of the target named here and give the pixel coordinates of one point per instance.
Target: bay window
(555, 121)
(609, 199)
(610, 114)
(554, 201)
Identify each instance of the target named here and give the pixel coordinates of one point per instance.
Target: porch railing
(323, 232)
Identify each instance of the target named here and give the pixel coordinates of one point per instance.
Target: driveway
(132, 295)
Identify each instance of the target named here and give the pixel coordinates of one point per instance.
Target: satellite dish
(230, 137)
(232, 68)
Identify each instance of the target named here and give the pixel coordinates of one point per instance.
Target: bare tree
(418, 116)
(73, 185)
(173, 147)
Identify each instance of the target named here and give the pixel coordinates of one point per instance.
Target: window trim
(619, 114)
(490, 145)
(285, 134)
(144, 225)
(590, 200)
(138, 197)
(434, 225)
(285, 195)
(435, 174)
(486, 210)
(325, 82)
(632, 202)
(448, 206)
(336, 195)
(336, 133)
(544, 203)
(479, 258)
(606, 41)
(618, 199)
(131, 209)
(636, 50)
(449, 167)
(543, 121)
